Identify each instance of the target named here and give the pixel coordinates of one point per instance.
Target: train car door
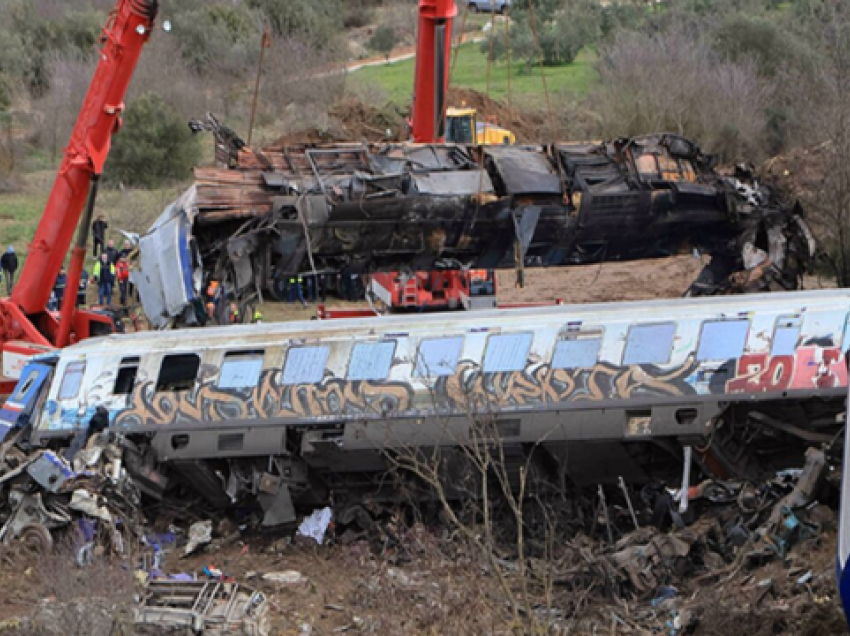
(18, 409)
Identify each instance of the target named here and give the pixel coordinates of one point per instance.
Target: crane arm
(433, 52)
(126, 32)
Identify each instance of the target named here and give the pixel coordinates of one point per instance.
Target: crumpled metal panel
(525, 170)
(453, 183)
(166, 279)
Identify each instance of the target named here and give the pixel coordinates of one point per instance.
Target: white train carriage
(332, 396)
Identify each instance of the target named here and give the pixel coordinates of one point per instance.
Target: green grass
(130, 210)
(470, 71)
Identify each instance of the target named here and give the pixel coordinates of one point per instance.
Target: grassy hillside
(470, 71)
(131, 210)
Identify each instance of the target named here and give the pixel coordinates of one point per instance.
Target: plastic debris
(316, 525)
(200, 533)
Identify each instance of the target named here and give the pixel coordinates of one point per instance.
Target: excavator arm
(23, 316)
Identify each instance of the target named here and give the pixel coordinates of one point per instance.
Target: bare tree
(826, 121)
(485, 496)
(70, 76)
(674, 82)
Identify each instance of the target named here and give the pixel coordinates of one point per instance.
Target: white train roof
(344, 328)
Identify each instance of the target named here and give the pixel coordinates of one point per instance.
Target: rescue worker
(311, 288)
(258, 317)
(122, 273)
(104, 274)
(295, 290)
(9, 264)
(111, 252)
(59, 286)
(98, 230)
(323, 287)
(235, 317)
(81, 289)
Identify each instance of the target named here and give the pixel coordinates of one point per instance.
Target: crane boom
(431, 82)
(24, 315)
(123, 37)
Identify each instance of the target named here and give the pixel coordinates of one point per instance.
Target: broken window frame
(487, 363)
(702, 339)
(181, 382)
(633, 329)
(353, 371)
(127, 363)
(596, 335)
(442, 368)
(242, 357)
(72, 373)
(786, 323)
(286, 373)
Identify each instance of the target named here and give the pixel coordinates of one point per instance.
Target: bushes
(383, 40)
(561, 30)
(154, 146)
(318, 20)
(675, 82)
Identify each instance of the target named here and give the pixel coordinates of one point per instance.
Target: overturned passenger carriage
(359, 208)
(301, 412)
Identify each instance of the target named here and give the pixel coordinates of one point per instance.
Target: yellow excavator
(462, 123)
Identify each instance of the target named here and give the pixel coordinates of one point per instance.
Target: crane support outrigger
(26, 327)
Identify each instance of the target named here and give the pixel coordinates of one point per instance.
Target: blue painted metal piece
(12, 415)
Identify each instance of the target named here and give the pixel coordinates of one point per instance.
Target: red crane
(431, 81)
(26, 327)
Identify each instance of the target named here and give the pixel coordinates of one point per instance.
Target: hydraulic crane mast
(431, 82)
(24, 316)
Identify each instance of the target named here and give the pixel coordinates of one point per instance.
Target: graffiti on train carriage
(537, 385)
(470, 388)
(809, 367)
(269, 399)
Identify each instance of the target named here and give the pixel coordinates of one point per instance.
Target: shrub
(155, 146)
(561, 34)
(383, 40)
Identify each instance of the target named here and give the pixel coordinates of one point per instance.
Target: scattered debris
(287, 577)
(200, 533)
(316, 525)
(211, 608)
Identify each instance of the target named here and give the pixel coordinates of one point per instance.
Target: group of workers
(111, 267)
(312, 287)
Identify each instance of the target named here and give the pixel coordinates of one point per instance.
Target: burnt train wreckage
(355, 208)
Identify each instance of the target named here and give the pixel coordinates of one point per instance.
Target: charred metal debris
(655, 549)
(260, 217)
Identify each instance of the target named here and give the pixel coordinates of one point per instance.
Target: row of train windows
(645, 344)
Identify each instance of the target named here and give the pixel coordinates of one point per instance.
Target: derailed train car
(354, 208)
(302, 412)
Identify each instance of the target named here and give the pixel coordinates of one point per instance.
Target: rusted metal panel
(388, 207)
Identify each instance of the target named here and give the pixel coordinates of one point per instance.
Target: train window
(722, 339)
(125, 379)
(507, 352)
(241, 370)
(305, 365)
(785, 339)
(178, 372)
(72, 380)
(649, 344)
(438, 356)
(371, 360)
(576, 353)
